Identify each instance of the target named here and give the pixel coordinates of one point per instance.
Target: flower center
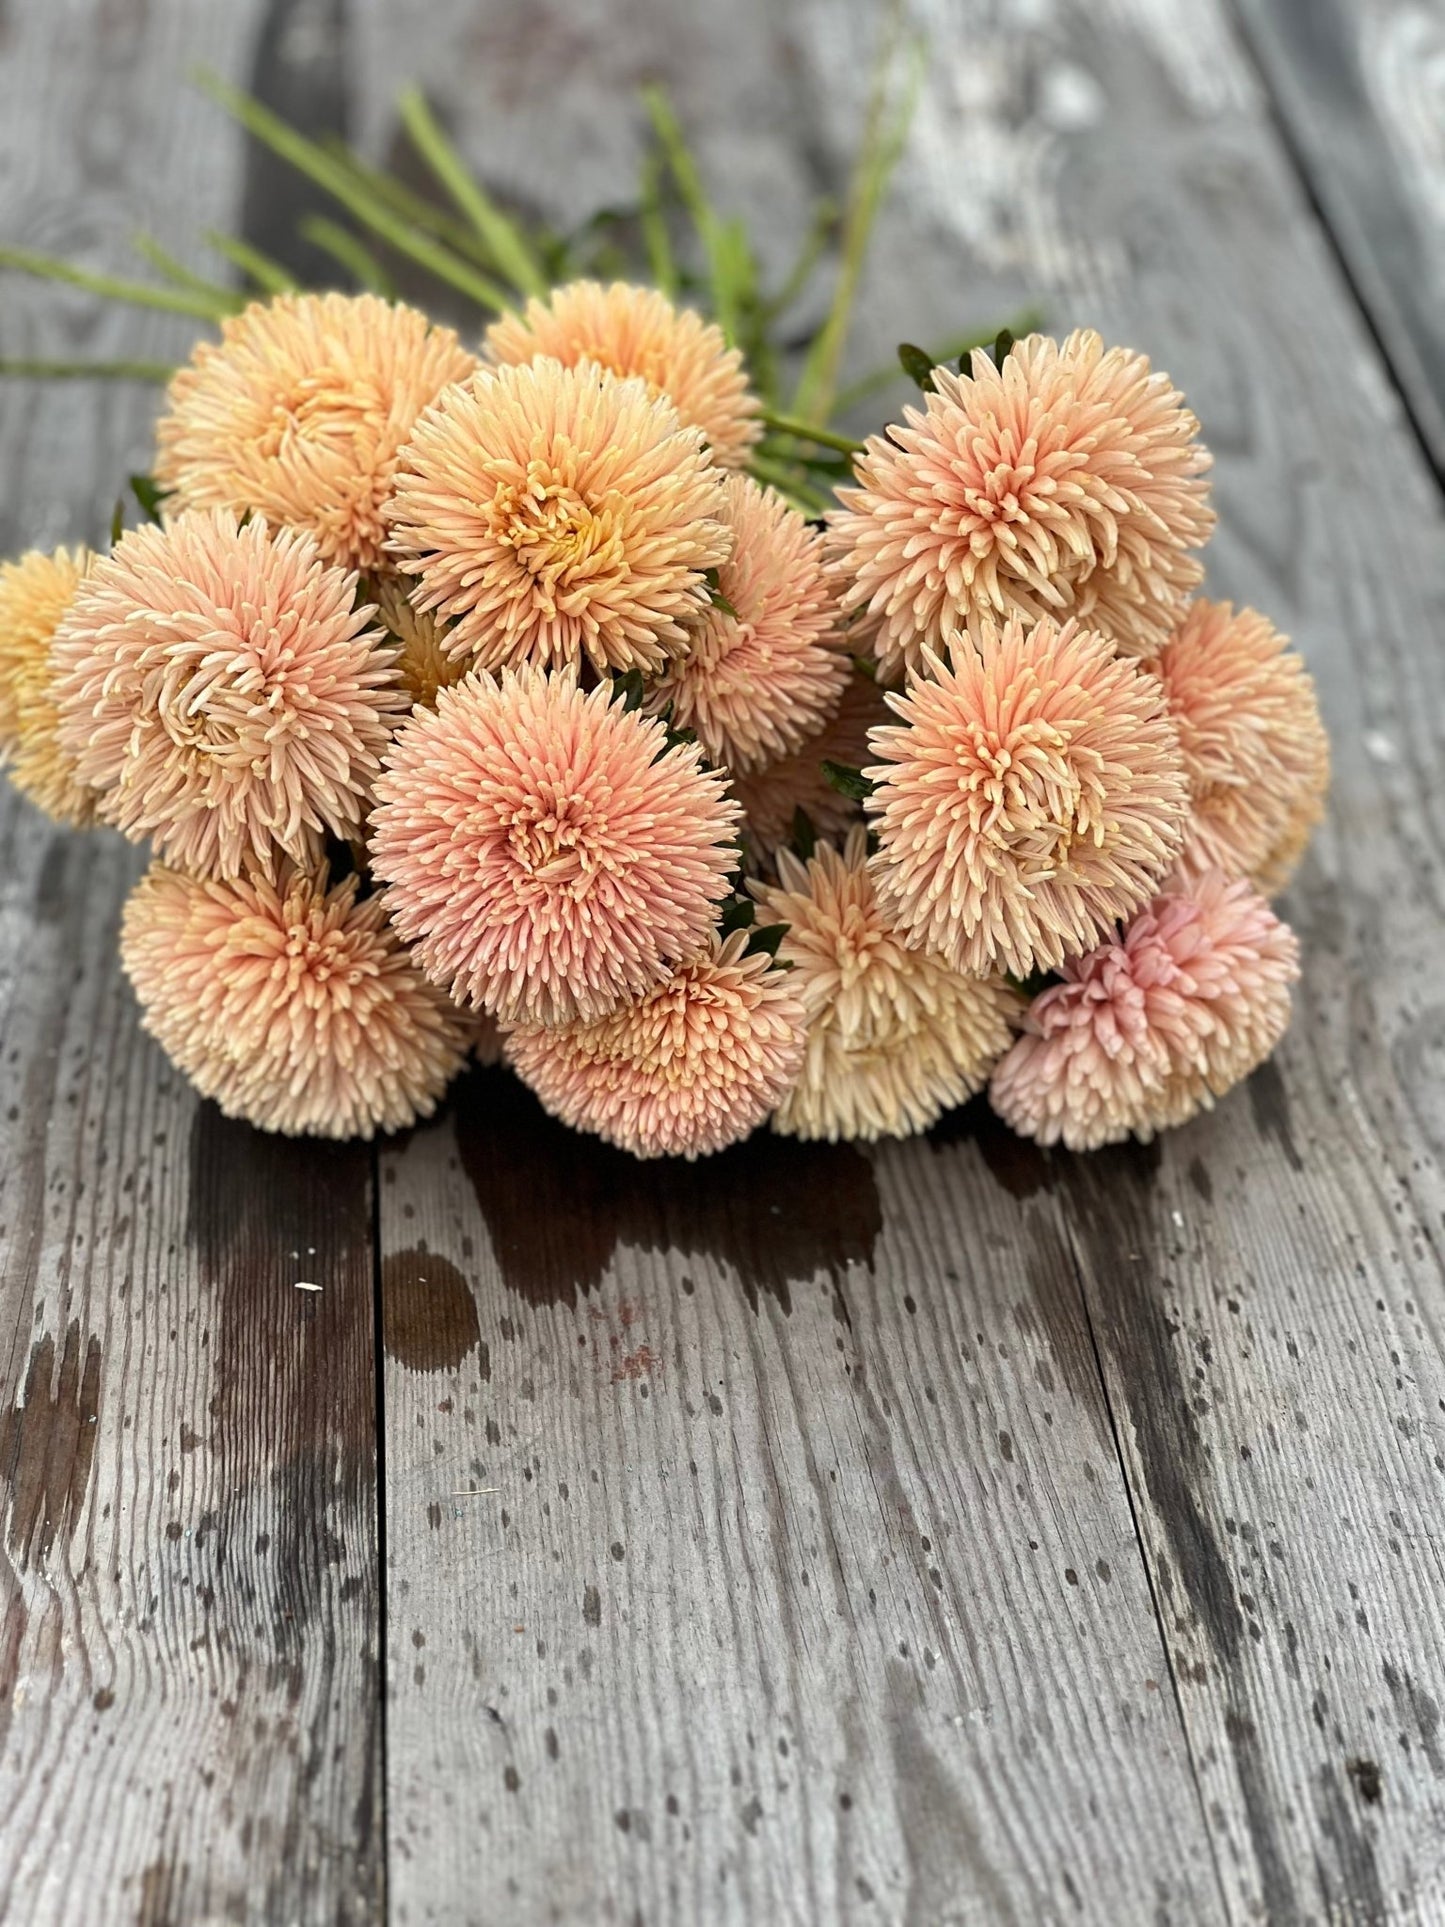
(560, 843)
(1023, 792)
(560, 539)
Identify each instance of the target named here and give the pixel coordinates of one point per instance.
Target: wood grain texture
(189, 1699)
(1360, 86)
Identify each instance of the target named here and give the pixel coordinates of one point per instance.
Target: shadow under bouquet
(563, 695)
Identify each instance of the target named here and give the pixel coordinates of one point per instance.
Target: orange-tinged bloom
(695, 1066)
(558, 516)
(1030, 796)
(637, 331)
(1155, 1024)
(35, 593)
(1068, 481)
(220, 689)
(547, 854)
(764, 672)
(292, 1005)
(422, 661)
(895, 1037)
(298, 412)
(1255, 750)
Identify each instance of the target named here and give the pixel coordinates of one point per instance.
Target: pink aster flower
(558, 516)
(549, 856)
(1068, 481)
(292, 1005)
(1154, 1025)
(696, 1065)
(1030, 796)
(1255, 750)
(637, 331)
(764, 672)
(220, 689)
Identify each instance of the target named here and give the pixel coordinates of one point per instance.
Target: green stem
(309, 159)
(349, 253)
(504, 239)
(141, 294)
(177, 273)
(807, 432)
(259, 268)
(156, 371)
(661, 264)
(810, 500)
(1028, 322)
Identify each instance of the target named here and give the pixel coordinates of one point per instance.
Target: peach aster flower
(35, 593)
(292, 1005)
(548, 855)
(637, 331)
(422, 662)
(1154, 1025)
(558, 516)
(764, 673)
(696, 1065)
(298, 412)
(1068, 481)
(895, 1037)
(221, 690)
(1255, 750)
(1031, 795)
(771, 796)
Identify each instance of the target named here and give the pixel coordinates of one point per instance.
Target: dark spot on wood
(1269, 1104)
(1201, 1180)
(428, 1314)
(1006, 1446)
(1417, 1708)
(558, 1203)
(1350, 1888)
(751, 1814)
(591, 1606)
(1369, 1782)
(511, 1779)
(47, 1445)
(1022, 1167)
(103, 1700)
(434, 1516)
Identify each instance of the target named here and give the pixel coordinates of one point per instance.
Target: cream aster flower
(549, 856)
(1069, 481)
(1154, 1025)
(637, 331)
(895, 1037)
(558, 516)
(298, 412)
(35, 593)
(1031, 795)
(763, 674)
(695, 1066)
(292, 1005)
(422, 662)
(1255, 750)
(220, 689)
(771, 796)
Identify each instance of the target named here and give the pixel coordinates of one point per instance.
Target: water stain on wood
(1022, 1167)
(47, 1445)
(1269, 1103)
(428, 1314)
(558, 1204)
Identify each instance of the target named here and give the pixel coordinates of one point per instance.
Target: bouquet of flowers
(562, 696)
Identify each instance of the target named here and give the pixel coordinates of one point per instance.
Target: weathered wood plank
(756, 1545)
(189, 1702)
(1361, 88)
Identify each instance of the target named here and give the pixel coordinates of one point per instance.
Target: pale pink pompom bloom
(1068, 482)
(771, 796)
(298, 412)
(637, 331)
(693, 1067)
(1154, 1025)
(557, 516)
(292, 1005)
(1030, 796)
(35, 594)
(895, 1037)
(548, 855)
(220, 688)
(1255, 750)
(764, 672)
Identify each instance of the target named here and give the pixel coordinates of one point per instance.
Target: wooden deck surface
(946, 1533)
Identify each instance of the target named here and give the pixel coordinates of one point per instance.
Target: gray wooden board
(1360, 85)
(189, 1704)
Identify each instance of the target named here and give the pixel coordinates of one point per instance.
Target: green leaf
(767, 937)
(1003, 344)
(917, 364)
(350, 253)
(820, 437)
(847, 781)
(141, 294)
(117, 520)
(264, 273)
(651, 214)
(805, 837)
(629, 686)
(157, 371)
(739, 913)
(508, 246)
(148, 495)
